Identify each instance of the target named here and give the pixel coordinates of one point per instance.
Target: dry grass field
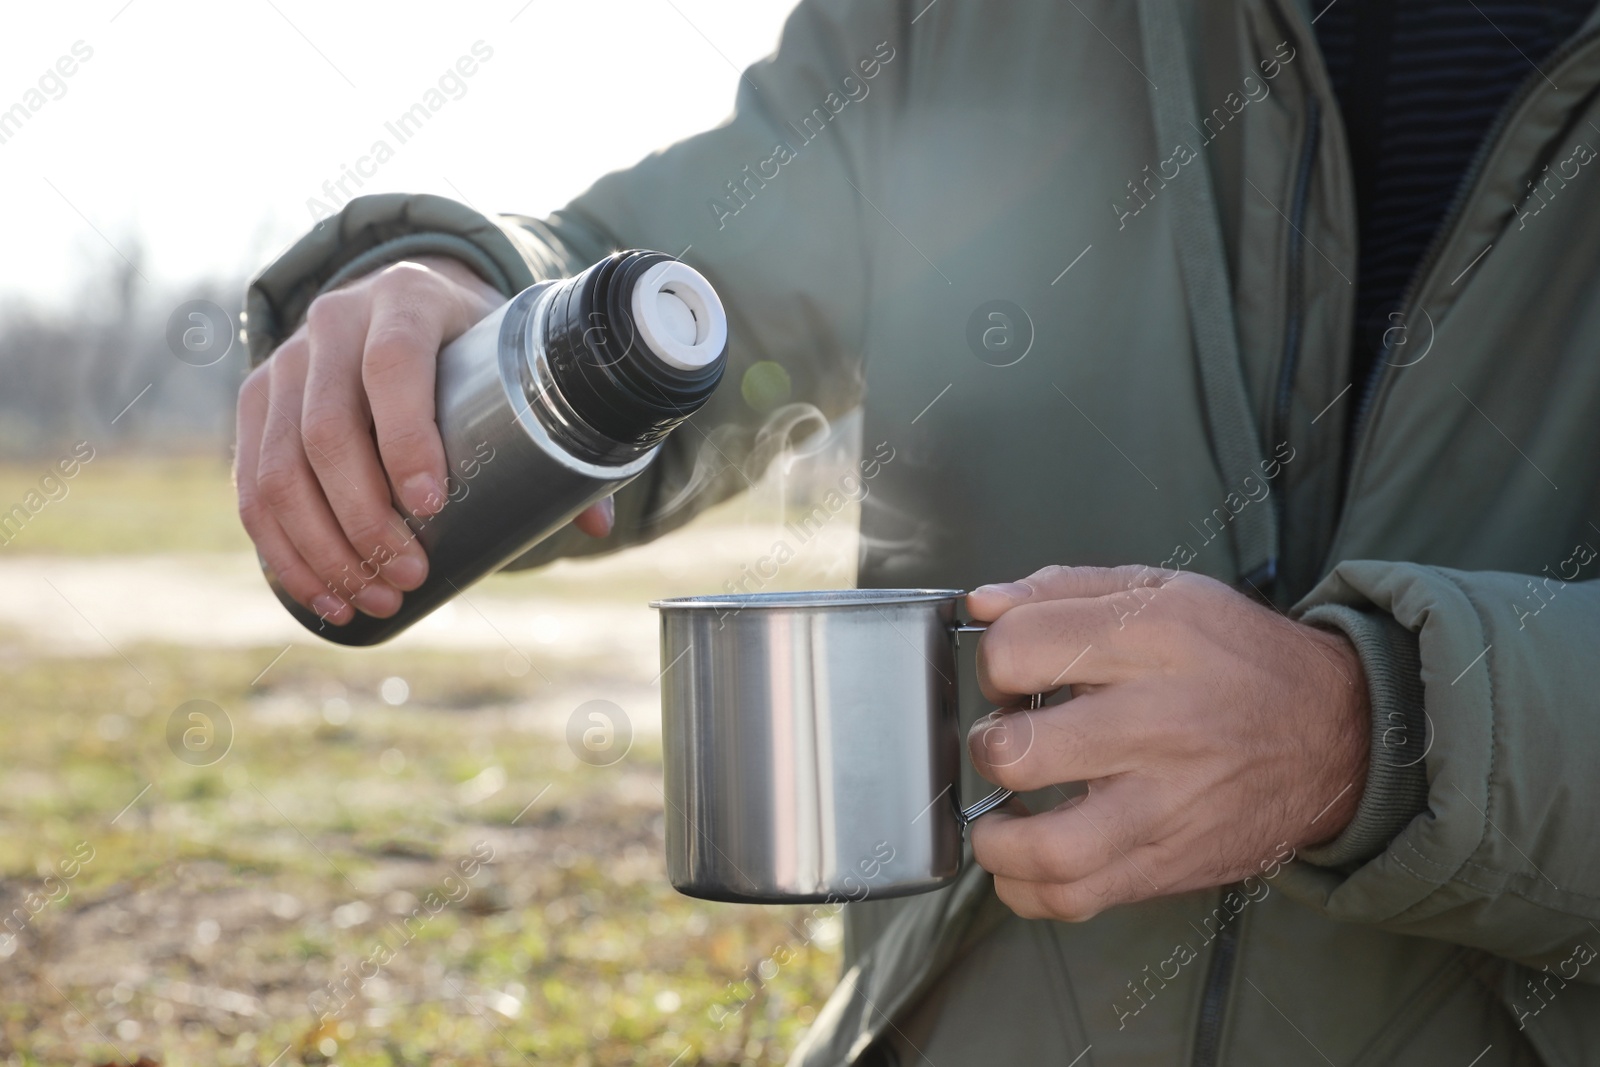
(375, 857)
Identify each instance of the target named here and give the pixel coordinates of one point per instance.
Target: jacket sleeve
(1499, 848)
(765, 205)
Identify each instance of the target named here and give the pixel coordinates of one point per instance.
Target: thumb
(597, 519)
(988, 602)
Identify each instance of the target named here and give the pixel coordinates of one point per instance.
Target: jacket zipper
(1294, 320)
(1219, 974)
(1214, 995)
(1378, 380)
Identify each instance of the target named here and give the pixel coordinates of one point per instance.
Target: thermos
(550, 404)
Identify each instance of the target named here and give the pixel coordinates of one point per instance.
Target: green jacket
(1166, 197)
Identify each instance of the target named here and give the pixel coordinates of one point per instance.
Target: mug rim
(810, 598)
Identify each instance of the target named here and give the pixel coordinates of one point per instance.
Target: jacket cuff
(1397, 779)
(374, 231)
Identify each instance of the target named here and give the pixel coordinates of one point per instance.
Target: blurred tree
(70, 374)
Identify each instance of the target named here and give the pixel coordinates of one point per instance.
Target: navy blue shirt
(1419, 84)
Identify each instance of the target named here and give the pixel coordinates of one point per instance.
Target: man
(1124, 284)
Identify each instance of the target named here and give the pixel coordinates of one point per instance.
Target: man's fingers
(339, 443)
(289, 488)
(1075, 902)
(296, 576)
(315, 492)
(1038, 647)
(1068, 844)
(596, 520)
(412, 315)
(1093, 736)
(279, 555)
(988, 602)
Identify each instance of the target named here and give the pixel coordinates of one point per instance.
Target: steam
(731, 458)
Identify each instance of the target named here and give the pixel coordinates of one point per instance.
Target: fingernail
(329, 607)
(1012, 590)
(406, 572)
(377, 600)
(608, 507)
(422, 494)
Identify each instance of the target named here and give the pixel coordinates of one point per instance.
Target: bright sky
(202, 129)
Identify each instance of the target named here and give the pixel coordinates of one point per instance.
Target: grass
(207, 905)
(217, 900)
(118, 505)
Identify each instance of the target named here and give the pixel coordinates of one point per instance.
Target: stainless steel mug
(812, 745)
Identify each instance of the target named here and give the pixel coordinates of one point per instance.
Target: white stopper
(679, 315)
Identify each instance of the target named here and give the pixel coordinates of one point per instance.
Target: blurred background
(220, 841)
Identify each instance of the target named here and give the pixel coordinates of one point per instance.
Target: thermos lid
(679, 316)
(636, 344)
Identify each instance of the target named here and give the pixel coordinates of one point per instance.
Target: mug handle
(1002, 794)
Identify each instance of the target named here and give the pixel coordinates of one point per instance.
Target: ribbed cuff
(371, 232)
(1397, 777)
(424, 244)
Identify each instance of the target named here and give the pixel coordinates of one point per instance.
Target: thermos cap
(635, 345)
(679, 316)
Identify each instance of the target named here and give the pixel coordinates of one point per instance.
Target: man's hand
(341, 410)
(1209, 729)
